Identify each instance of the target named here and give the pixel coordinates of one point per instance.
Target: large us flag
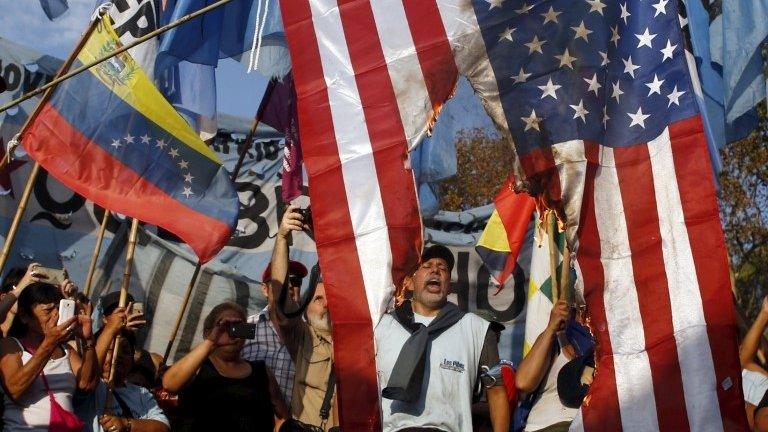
(598, 101)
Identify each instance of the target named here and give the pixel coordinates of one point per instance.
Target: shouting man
(429, 355)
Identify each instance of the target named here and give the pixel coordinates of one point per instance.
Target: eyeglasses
(295, 281)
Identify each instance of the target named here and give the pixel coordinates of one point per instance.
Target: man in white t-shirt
(539, 370)
(429, 355)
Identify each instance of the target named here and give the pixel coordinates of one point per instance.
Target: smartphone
(66, 310)
(242, 331)
(52, 276)
(137, 308)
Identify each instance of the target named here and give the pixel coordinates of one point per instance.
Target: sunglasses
(295, 281)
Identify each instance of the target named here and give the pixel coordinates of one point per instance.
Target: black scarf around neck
(408, 373)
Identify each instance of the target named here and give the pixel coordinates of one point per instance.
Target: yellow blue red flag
(109, 135)
(504, 235)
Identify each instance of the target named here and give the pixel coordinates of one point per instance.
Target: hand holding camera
(306, 217)
(130, 317)
(72, 318)
(295, 219)
(58, 331)
(242, 330)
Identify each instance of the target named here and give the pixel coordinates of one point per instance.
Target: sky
(24, 22)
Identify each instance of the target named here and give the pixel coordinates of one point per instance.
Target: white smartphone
(66, 310)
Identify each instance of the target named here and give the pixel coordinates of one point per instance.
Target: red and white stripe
(652, 260)
(655, 275)
(370, 76)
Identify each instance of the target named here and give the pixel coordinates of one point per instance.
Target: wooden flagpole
(95, 256)
(114, 53)
(246, 147)
(566, 293)
(252, 133)
(11, 236)
(184, 305)
(6, 160)
(551, 220)
(132, 236)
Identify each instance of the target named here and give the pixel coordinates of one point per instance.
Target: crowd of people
(438, 366)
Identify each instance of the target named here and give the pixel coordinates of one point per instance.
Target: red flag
(278, 110)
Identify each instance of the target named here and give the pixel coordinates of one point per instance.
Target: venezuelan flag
(109, 135)
(504, 234)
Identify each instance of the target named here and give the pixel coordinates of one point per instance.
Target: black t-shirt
(213, 402)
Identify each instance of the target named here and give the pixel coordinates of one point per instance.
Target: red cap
(295, 268)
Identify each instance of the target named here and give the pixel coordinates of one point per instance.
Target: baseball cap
(438, 251)
(569, 386)
(109, 302)
(295, 268)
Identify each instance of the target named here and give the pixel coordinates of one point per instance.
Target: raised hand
(120, 319)
(219, 335)
(292, 221)
(32, 275)
(84, 327)
(68, 289)
(558, 316)
(58, 334)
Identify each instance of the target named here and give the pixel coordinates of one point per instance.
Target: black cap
(569, 386)
(438, 251)
(110, 302)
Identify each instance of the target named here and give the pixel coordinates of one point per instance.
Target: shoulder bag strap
(31, 350)
(283, 299)
(126, 411)
(325, 408)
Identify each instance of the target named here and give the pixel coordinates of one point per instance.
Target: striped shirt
(269, 348)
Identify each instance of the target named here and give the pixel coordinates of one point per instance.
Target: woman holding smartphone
(218, 389)
(40, 373)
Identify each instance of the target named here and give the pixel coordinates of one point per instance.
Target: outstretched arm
(751, 341)
(182, 372)
(290, 328)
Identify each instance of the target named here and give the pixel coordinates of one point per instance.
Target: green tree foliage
(483, 163)
(744, 209)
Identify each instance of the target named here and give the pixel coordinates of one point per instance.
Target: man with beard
(429, 356)
(309, 342)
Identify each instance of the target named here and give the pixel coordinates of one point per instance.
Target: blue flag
(727, 47)
(224, 32)
(54, 8)
(737, 36)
